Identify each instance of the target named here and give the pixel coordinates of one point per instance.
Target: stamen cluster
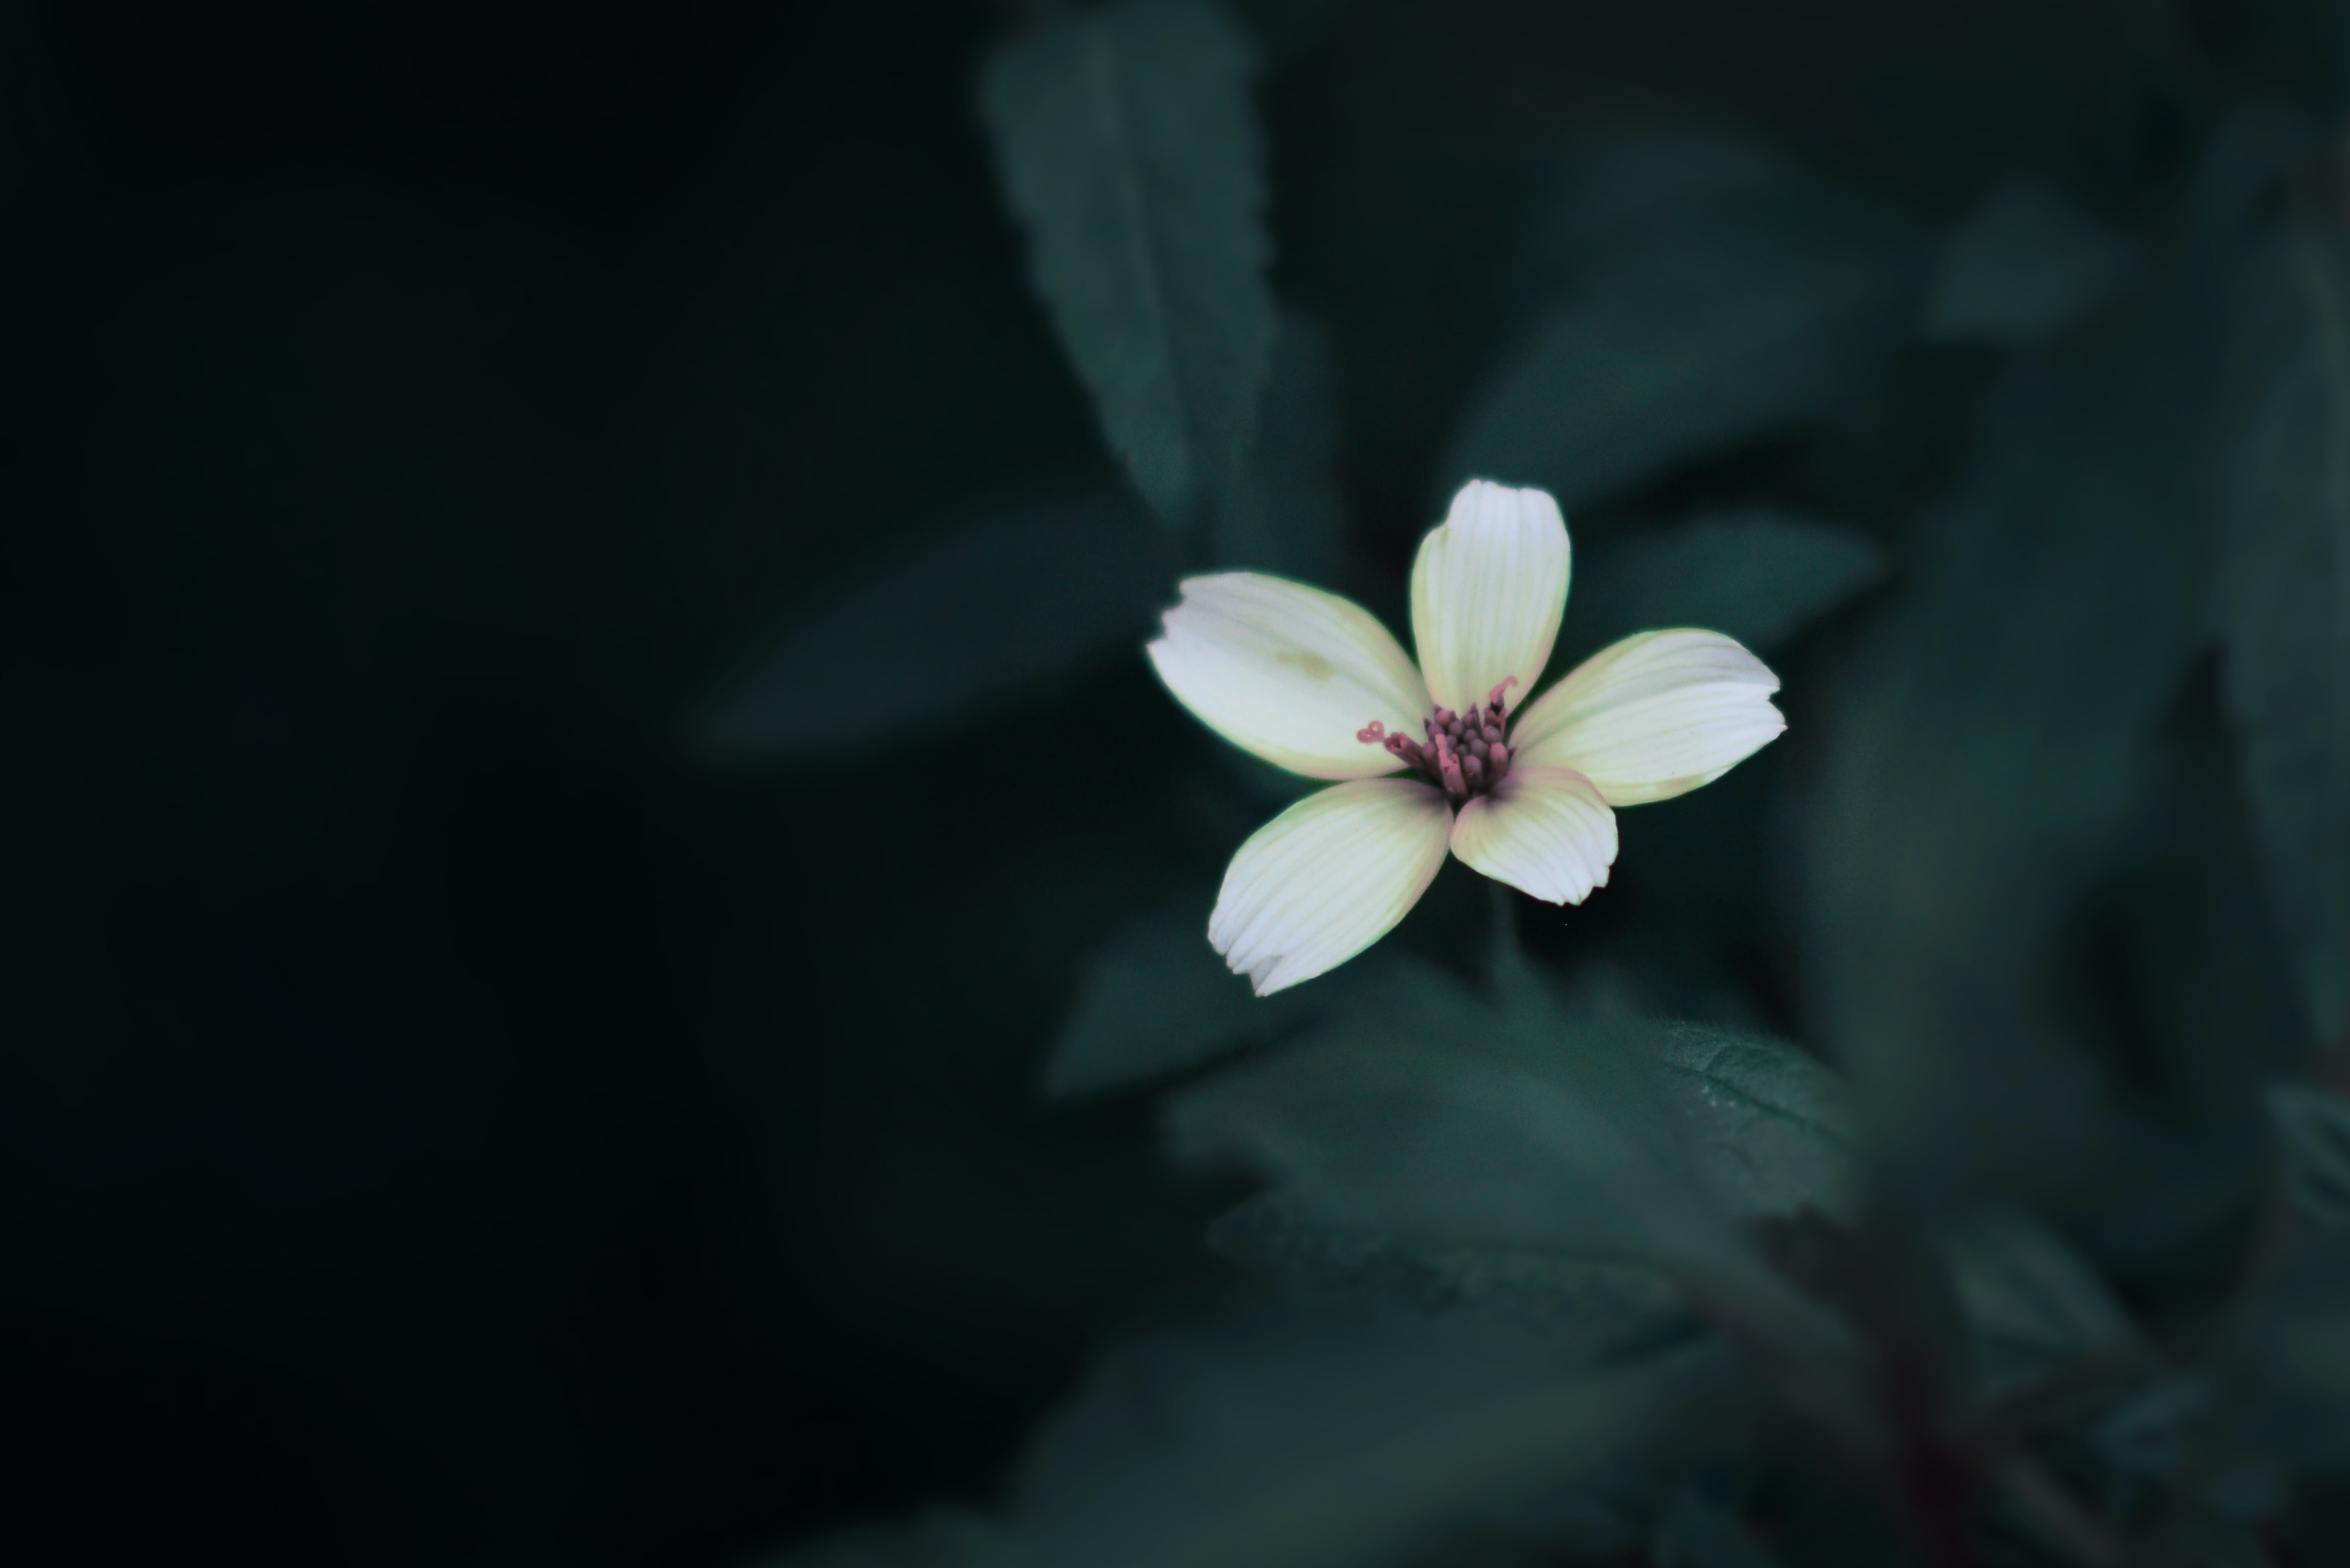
(1463, 754)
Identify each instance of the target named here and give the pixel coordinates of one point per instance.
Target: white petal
(1328, 878)
(1545, 832)
(1487, 591)
(1654, 716)
(1288, 672)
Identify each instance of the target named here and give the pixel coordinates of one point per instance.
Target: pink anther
(1371, 734)
(1494, 698)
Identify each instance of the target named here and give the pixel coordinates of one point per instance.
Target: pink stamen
(1463, 754)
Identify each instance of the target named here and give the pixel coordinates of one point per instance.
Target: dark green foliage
(1995, 741)
(1760, 575)
(2315, 1129)
(1283, 514)
(2035, 1310)
(2025, 265)
(609, 922)
(1322, 1444)
(1701, 1532)
(1129, 151)
(988, 613)
(1689, 336)
(2285, 597)
(2031, 479)
(1156, 999)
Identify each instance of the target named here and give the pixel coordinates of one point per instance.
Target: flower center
(1463, 754)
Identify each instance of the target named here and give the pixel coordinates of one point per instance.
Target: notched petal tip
(1327, 878)
(1548, 832)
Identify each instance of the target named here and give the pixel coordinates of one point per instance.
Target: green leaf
(1529, 1162)
(1589, 1308)
(1693, 343)
(1284, 514)
(1485, 1132)
(1156, 999)
(2284, 599)
(1761, 577)
(2315, 1129)
(1129, 152)
(992, 611)
(1737, 1126)
(1768, 1129)
(1990, 751)
(2033, 1310)
(1353, 1446)
(2027, 263)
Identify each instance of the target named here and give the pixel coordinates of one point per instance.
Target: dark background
(445, 1114)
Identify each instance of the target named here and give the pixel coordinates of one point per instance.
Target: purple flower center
(1463, 754)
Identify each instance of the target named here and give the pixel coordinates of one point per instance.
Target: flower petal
(1487, 591)
(1544, 831)
(1288, 672)
(1328, 878)
(1654, 716)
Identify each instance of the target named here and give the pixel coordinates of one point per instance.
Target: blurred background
(594, 882)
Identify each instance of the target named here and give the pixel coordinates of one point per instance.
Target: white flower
(1314, 683)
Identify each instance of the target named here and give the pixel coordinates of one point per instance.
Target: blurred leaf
(1349, 1447)
(1701, 1532)
(1611, 193)
(1336, 1445)
(989, 613)
(2222, 1008)
(1488, 1132)
(2185, 1428)
(2300, 1417)
(2284, 599)
(1128, 151)
(2028, 263)
(1993, 748)
(1699, 340)
(1486, 1149)
(2314, 1128)
(1284, 514)
(1593, 1309)
(1157, 999)
(2033, 1310)
(1761, 577)
(1748, 1126)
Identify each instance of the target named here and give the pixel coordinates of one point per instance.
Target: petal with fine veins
(1327, 878)
(1654, 716)
(1543, 831)
(1288, 672)
(1487, 591)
